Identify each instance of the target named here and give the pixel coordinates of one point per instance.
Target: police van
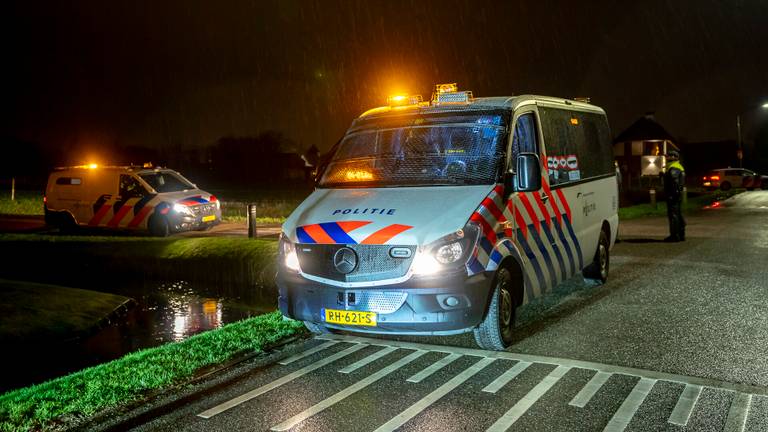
(157, 200)
(442, 217)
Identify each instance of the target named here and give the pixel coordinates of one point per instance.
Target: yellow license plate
(209, 218)
(334, 316)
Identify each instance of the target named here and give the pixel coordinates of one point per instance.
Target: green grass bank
(81, 395)
(694, 203)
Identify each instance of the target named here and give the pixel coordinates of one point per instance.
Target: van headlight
(182, 209)
(287, 253)
(447, 253)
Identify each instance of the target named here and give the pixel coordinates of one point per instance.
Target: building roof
(644, 129)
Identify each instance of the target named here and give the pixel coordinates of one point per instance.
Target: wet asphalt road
(676, 340)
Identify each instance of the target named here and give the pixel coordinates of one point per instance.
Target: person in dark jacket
(674, 181)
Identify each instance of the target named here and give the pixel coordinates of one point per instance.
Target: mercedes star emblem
(345, 260)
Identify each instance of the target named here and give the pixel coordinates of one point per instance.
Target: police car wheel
(598, 269)
(725, 186)
(495, 332)
(316, 328)
(158, 226)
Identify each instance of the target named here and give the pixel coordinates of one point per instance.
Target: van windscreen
(457, 148)
(166, 181)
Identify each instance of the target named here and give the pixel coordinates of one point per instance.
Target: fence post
(652, 192)
(13, 188)
(251, 220)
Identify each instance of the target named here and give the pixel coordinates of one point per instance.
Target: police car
(442, 217)
(727, 178)
(157, 200)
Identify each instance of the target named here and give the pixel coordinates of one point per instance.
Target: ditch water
(164, 312)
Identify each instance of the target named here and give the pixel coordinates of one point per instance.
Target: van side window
(131, 188)
(68, 181)
(524, 138)
(578, 145)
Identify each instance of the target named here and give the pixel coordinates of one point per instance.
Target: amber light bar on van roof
(403, 100)
(450, 94)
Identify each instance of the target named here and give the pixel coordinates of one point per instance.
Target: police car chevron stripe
(543, 231)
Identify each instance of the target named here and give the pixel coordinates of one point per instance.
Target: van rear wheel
(598, 269)
(495, 332)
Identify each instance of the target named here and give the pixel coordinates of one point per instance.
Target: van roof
(126, 168)
(495, 102)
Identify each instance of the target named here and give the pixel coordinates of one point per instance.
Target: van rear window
(68, 181)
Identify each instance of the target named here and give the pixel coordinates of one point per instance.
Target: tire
(496, 330)
(598, 269)
(158, 226)
(316, 328)
(725, 186)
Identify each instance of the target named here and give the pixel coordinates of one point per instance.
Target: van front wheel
(495, 332)
(158, 226)
(598, 269)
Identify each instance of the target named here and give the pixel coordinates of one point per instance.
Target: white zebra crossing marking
(736, 421)
(685, 405)
(307, 353)
(278, 382)
(506, 377)
(365, 382)
(510, 417)
(628, 409)
(370, 359)
(434, 367)
(585, 395)
(737, 414)
(431, 398)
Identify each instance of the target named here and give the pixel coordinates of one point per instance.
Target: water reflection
(164, 312)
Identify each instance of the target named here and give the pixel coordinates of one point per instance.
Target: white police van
(442, 217)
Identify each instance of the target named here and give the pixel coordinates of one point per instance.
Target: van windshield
(166, 181)
(465, 148)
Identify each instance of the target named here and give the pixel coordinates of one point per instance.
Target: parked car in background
(727, 178)
(158, 200)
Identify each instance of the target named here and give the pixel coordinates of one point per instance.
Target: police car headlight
(450, 253)
(288, 253)
(181, 208)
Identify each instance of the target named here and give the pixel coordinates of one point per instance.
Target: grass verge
(32, 312)
(26, 203)
(132, 377)
(694, 203)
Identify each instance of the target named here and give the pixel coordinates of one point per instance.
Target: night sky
(86, 75)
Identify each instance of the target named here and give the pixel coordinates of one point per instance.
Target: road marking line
(307, 353)
(685, 405)
(590, 389)
(506, 377)
(580, 364)
(371, 358)
(434, 367)
(431, 398)
(320, 406)
(510, 417)
(278, 382)
(737, 415)
(627, 410)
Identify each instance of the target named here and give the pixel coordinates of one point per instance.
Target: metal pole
(13, 188)
(738, 131)
(251, 220)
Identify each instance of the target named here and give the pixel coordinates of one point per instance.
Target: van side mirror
(528, 169)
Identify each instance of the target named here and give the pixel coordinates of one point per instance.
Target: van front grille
(204, 209)
(374, 262)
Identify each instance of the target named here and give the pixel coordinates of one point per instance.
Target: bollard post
(251, 220)
(13, 188)
(652, 192)
(685, 195)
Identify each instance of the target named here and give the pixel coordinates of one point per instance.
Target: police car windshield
(166, 181)
(464, 148)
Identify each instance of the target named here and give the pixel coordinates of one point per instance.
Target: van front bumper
(449, 304)
(183, 222)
